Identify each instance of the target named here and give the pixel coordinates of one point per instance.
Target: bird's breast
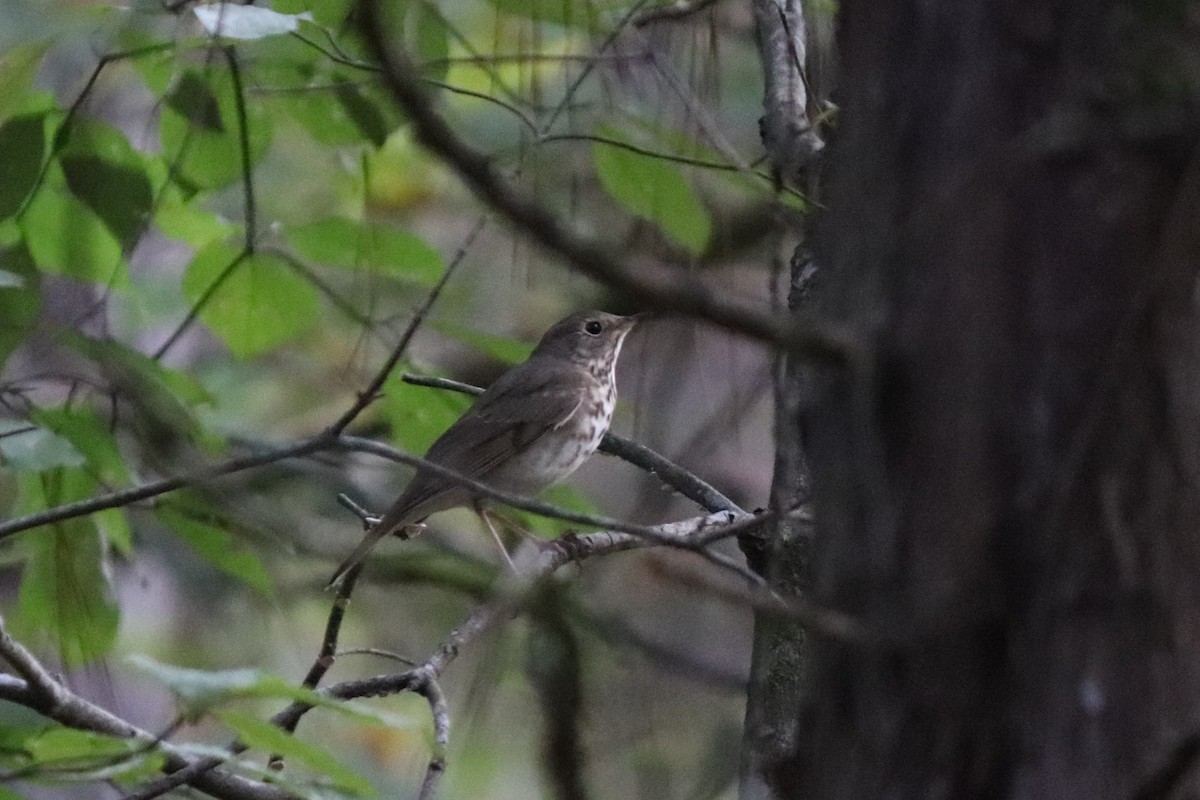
(561, 450)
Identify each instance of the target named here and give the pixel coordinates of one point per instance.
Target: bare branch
(553, 555)
(432, 692)
(676, 477)
(39, 691)
(787, 134)
(649, 533)
(132, 495)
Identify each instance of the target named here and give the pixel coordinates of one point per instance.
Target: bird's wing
(515, 412)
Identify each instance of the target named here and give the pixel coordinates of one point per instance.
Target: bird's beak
(641, 316)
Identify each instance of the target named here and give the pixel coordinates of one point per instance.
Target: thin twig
(132, 495)
(249, 204)
(376, 651)
(368, 395)
(328, 652)
(333, 628)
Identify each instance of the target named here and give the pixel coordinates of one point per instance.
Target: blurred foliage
(209, 243)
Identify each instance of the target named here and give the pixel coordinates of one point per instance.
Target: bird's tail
(373, 535)
(376, 532)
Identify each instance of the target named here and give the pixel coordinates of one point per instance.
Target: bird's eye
(593, 327)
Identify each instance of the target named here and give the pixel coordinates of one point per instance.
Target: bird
(535, 425)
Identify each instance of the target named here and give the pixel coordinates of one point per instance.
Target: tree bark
(1006, 477)
(782, 557)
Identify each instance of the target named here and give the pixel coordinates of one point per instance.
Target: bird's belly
(558, 453)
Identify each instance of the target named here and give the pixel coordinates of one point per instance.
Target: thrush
(533, 427)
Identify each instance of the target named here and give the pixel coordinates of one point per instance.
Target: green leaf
(361, 106)
(23, 143)
(652, 188)
(501, 348)
(68, 744)
(267, 737)
(254, 302)
(19, 305)
(65, 237)
(90, 436)
(196, 103)
(201, 689)
(162, 397)
(323, 114)
(115, 758)
(36, 449)
(562, 495)
(127, 365)
(284, 63)
(17, 69)
(219, 548)
(380, 248)
(190, 223)
(114, 186)
(64, 591)
(200, 129)
(113, 525)
(157, 68)
(432, 37)
(419, 414)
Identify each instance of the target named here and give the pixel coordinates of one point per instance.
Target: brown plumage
(533, 427)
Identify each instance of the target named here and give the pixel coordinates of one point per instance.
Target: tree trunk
(1006, 477)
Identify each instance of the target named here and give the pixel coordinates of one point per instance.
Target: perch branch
(676, 477)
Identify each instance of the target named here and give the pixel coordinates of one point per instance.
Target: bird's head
(591, 339)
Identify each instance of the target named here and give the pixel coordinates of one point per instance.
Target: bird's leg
(483, 515)
(511, 525)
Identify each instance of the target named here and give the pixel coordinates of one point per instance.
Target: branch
(676, 477)
(656, 287)
(787, 133)
(126, 497)
(321, 442)
(648, 533)
(570, 549)
(38, 690)
(554, 554)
